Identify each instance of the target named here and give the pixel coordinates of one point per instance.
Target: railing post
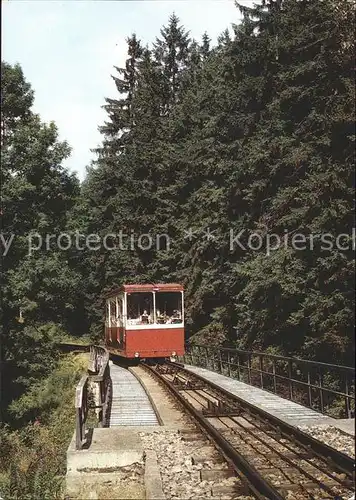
(200, 356)
(309, 391)
(274, 375)
(238, 367)
(228, 363)
(261, 369)
(321, 396)
(249, 367)
(290, 379)
(101, 400)
(220, 360)
(78, 429)
(206, 357)
(106, 396)
(347, 399)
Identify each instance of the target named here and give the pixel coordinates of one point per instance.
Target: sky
(67, 50)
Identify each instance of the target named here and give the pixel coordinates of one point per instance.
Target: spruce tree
(301, 160)
(254, 134)
(171, 52)
(38, 287)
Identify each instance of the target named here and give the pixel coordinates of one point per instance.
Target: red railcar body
(145, 321)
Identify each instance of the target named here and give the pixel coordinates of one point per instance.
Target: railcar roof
(160, 287)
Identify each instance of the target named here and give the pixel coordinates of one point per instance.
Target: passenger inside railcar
(145, 318)
(167, 310)
(139, 308)
(169, 307)
(177, 317)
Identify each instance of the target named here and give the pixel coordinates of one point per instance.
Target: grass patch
(83, 340)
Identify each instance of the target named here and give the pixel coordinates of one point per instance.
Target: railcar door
(120, 300)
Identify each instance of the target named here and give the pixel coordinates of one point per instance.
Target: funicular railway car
(145, 321)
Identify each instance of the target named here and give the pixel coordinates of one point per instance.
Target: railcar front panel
(146, 321)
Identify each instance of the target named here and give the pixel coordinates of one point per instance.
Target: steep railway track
(276, 460)
(130, 405)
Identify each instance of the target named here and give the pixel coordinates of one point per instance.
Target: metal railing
(100, 375)
(325, 387)
(81, 411)
(93, 392)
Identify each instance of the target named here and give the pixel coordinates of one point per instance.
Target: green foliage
(213, 334)
(33, 458)
(38, 287)
(44, 395)
(256, 134)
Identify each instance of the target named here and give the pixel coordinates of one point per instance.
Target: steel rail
(343, 462)
(206, 395)
(254, 478)
(207, 398)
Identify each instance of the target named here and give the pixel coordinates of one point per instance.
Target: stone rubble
(333, 437)
(180, 478)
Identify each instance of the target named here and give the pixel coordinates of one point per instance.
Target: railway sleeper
(221, 409)
(219, 413)
(216, 474)
(206, 455)
(192, 435)
(233, 490)
(187, 385)
(308, 485)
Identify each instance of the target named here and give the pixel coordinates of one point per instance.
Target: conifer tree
(253, 134)
(301, 166)
(171, 52)
(38, 287)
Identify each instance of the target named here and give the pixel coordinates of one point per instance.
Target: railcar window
(140, 308)
(107, 322)
(113, 313)
(169, 308)
(119, 311)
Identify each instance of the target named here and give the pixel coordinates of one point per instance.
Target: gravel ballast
(180, 477)
(332, 437)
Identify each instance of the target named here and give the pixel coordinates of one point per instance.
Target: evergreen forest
(228, 150)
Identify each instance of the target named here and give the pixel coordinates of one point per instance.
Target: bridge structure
(113, 404)
(109, 401)
(325, 388)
